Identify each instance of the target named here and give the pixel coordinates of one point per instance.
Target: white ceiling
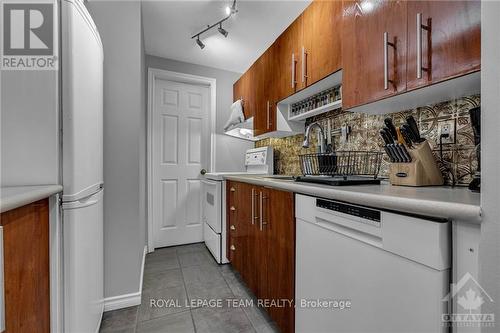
(169, 25)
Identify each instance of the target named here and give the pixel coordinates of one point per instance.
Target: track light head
(200, 43)
(223, 31)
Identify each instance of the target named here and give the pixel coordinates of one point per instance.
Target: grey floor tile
(220, 320)
(161, 263)
(189, 248)
(196, 258)
(258, 318)
(202, 273)
(168, 301)
(163, 251)
(267, 328)
(208, 291)
(176, 323)
(154, 281)
(123, 320)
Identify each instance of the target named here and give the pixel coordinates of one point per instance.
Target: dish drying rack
(342, 164)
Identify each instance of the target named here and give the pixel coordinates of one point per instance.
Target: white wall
(119, 24)
(229, 150)
(489, 250)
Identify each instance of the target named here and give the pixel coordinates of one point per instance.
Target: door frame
(156, 73)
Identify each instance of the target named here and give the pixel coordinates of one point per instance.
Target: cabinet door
(26, 268)
(449, 43)
(368, 61)
(265, 105)
(322, 32)
(279, 225)
(242, 89)
(289, 44)
(247, 210)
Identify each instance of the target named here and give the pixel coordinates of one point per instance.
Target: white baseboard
(127, 300)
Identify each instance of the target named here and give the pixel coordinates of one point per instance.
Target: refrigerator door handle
(80, 203)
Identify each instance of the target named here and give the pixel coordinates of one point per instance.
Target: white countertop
(12, 197)
(456, 203)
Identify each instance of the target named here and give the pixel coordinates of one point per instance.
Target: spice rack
(327, 100)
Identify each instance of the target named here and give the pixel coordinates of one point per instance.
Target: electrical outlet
(447, 127)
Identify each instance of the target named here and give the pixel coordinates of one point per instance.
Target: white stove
(258, 161)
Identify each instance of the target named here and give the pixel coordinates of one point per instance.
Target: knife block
(422, 171)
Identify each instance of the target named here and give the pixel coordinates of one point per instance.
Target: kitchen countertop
(12, 197)
(456, 203)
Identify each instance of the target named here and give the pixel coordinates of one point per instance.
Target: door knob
(232, 208)
(203, 171)
(232, 248)
(233, 227)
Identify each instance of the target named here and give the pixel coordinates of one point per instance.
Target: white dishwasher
(393, 269)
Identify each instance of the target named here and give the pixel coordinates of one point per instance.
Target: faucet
(322, 144)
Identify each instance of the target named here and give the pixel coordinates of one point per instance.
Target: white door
(180, 149)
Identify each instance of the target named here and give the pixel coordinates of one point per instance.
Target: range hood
(242, 130)
(237, 126)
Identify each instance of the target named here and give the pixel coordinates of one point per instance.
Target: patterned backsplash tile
(459, 160)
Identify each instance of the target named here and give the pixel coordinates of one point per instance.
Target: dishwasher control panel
(358, 211)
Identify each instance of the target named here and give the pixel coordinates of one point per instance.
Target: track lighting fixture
(222, 30)
(229, 11)
(200, 43)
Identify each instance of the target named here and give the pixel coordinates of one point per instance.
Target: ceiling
(169, 25)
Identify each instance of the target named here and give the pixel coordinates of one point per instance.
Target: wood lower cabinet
(449, 43)
(373, 67)
(26, 268)
(264, 246)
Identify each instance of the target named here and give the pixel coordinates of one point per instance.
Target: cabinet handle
(232, 208)
(386, 60)
(304, 64)
(232, 189)
(253, 206)
(420, 27)
(268, 121)
(293, 71)
(232, 227)
(232, 248)
(264, 199)
(261, 216)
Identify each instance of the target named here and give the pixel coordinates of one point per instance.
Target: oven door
(211, 204)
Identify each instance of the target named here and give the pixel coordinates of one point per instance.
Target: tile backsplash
(459, 160)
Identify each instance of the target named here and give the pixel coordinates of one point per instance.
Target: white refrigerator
(82, 168)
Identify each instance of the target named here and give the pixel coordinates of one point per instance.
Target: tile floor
(183, 274)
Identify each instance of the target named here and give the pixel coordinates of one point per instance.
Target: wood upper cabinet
(26, 268)
(265, 92)
(289, 45)
(450, 40)
(243, 88)
(369, 60)
(321, 38)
